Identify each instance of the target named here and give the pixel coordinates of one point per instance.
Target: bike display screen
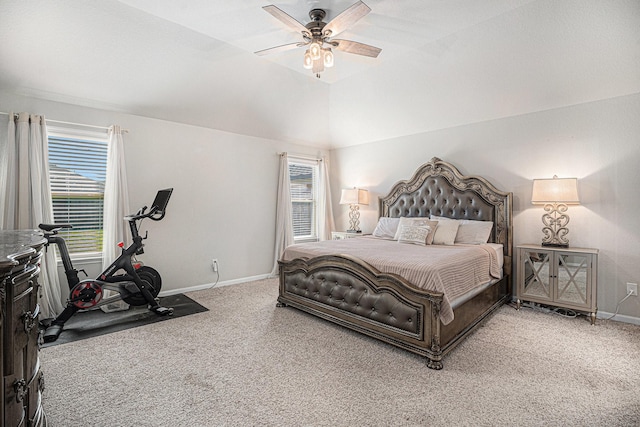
(161, 200)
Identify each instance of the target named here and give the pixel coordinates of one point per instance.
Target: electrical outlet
(633, 288)
(214, 264)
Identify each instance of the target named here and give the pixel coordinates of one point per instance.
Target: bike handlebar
(152, 214)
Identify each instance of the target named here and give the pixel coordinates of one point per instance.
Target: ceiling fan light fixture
(308, 62)
(316, 34)
(328, 58)
(315, 50)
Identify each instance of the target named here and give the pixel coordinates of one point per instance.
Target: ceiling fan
(317, 34)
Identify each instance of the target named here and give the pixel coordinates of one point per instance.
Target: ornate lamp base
(555, 222)
(354, 219)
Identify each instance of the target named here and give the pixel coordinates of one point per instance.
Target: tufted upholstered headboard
(438, 188)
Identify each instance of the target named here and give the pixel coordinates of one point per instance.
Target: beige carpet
(247, 363)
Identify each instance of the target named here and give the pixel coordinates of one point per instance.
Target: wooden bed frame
(401, 313)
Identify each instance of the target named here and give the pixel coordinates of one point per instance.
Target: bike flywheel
(86, 294)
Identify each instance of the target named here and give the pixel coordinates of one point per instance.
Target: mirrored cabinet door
(561, 277)
(537, 270)
(573, 278)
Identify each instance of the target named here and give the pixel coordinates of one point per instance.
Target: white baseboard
(211, 285)
(600, 315)
(619, 317)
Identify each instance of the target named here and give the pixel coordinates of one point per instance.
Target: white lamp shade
(555, 190)
(354, 196)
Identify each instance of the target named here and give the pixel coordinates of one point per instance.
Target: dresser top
(17, 245)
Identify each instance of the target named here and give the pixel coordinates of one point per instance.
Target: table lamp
(354, 197)
(555, 194)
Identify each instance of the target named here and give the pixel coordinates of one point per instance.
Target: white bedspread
(452, 270)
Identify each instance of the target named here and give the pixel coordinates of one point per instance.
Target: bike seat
(51, 227)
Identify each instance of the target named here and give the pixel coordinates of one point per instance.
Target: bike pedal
(163, 311)
(52, 333)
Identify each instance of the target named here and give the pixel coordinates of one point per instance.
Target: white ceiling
(193, 62)
(397, 26)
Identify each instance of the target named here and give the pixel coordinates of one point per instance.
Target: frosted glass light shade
(354, 196)
(328, 58)
(315, 51)
(308, 62)
(555, 190)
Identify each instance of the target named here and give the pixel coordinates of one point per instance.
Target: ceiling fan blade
(278, 49)
(357, 48)
(286, 19)
(346, 18)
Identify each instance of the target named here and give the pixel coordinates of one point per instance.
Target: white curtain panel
(325, 211)
(27, 196)
(116, 199)
(284, 219)
(116, 206)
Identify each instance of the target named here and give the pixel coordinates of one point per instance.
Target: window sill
(305, 239)
(84, 258)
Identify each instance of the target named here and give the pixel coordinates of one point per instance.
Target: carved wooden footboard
(352, 293)
(349, 292)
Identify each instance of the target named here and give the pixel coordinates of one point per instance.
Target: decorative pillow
(470, 231)
(433, 225)
(446, 232)
(415, 234)
(417, 221)
(386, 228)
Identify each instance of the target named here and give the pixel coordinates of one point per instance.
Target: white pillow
(474, 232)
(470, 231)
(446, 232)
(386, 228)
(415, 234)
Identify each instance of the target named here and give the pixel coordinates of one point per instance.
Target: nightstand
(561, 277)
(339, 235)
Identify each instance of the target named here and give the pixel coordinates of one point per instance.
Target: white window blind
(303, 177)
(78, 166)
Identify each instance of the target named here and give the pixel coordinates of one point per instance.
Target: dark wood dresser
(22, 381)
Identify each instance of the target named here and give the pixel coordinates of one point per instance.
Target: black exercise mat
(92, 323)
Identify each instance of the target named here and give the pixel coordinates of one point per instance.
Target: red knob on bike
(121, 245)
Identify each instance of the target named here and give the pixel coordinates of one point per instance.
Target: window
(303, 176)
(78, 168)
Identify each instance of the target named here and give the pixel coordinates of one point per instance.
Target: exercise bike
(137, 285)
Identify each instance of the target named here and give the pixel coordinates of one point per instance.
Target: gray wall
(225, 184)
(596, 142)
(224, 200)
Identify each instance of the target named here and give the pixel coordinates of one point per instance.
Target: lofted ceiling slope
(443, 63)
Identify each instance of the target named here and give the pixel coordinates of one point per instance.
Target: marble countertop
(17, 245)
